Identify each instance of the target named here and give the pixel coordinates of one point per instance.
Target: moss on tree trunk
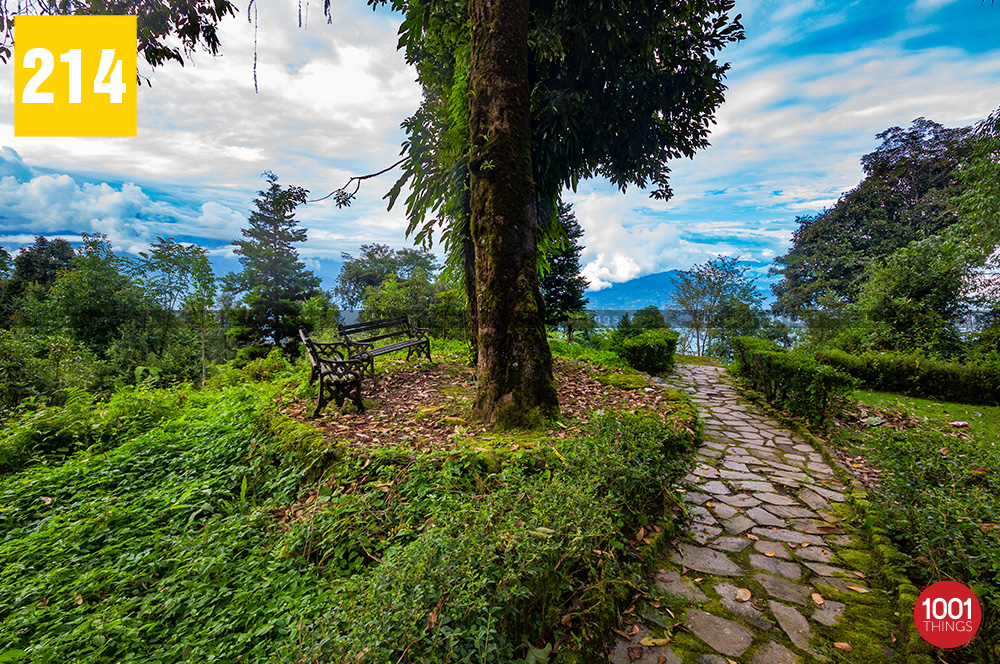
(516, 385)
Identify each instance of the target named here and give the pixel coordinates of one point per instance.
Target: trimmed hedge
(652, 351)
(794, 382)
(919, 376)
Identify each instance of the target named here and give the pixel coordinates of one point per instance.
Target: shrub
(792, 381)
(919, 376)
(652, 351)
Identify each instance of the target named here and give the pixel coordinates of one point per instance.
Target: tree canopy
(910, 192)
(376, 264)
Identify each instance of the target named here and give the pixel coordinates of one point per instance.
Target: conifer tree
(275, 282)
(562, 286)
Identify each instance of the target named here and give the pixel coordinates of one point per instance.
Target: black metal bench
(339, 372)
(369, 338)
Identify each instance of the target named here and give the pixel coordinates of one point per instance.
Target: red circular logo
(948, 614)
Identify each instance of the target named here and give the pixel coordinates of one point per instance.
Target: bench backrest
(372, 330)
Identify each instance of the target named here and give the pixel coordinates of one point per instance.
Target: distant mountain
(635, 294)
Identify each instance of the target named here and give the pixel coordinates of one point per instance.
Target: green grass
(697, 359)
(984, 421)
(206, 526)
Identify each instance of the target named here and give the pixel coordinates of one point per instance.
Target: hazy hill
(635, 294)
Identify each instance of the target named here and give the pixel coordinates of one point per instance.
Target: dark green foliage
(908, 194)
(789, 380)
(375, 265)
(939, 497)
(167, 29)
(174, 538)
(274, 280)
(97, 300)
(562, 286)
(41, 263)
(648, 318)
(651, 351)
(920, 376)
(35, 366)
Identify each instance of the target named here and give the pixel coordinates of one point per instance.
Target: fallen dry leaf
(753, 537)
(46, 500)
(804, 544)
(818, 599)
(699, 580)
(43, 602)
(78, 598)
(651, 642)
(846, 647)
(743, 595)
(635, 652)
(769, 554)
(858, 589)
(860, 575)
(633, 631)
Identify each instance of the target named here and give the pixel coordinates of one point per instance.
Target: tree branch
(343, 198)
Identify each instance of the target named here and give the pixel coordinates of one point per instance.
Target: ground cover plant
(935, 487)
(220, 525)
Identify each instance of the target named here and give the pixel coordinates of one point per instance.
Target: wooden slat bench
(339, 372)
(375, 337)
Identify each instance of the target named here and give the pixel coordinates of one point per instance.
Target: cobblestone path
(766, 523)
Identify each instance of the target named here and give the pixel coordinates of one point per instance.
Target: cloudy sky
(810, 87)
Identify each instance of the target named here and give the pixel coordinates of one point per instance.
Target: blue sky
(808, 90)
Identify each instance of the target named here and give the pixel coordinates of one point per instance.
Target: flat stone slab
(738, 524)
(724, 511)
(777, 548)
(764, 517)
(696, 498)
(710, 659)
(706, 471)
(703, 533)
(814, 527)
(785, 535)
(789, 512)
(793, 622)
(775, 499)
(816, 554)
(749, 485)
(723, 635)
(828, 613)
(775, 653)
(707, 561)
(744, 610)
(730, 543)
(736, 475)
(670, 582)
(774, 566)
(715, 488)
(814, 500)
(784, 589)
(830, 494)
(741, 500)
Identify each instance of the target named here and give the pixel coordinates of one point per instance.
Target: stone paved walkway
(765, 517)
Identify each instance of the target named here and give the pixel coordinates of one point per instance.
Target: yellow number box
(75, 76)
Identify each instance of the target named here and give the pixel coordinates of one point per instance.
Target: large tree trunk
(516, 385)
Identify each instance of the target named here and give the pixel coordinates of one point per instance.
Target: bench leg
(322, 398)
(352, 391)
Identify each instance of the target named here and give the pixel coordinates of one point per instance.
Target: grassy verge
(937, 497)
(217, 530)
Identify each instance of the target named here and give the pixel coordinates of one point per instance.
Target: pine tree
(274, 280)
(563, 287)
